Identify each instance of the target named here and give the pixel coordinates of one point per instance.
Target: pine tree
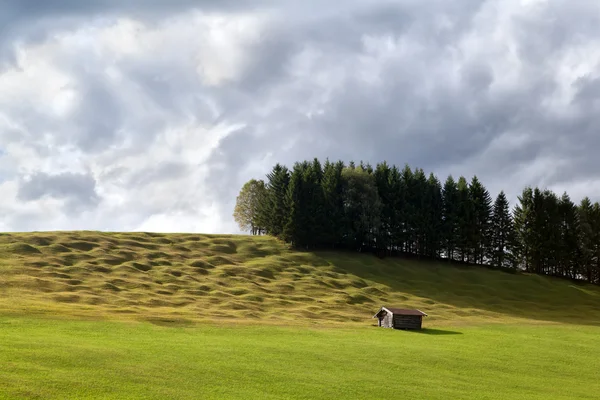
(523, 223)
(313, 179)
(596, 235)
(481, 218)
(362, 207)
(296, 229)
(450, 218)
(570, 235)
(409, 211)
(435, 212)
(543, 207)
(586, 237)
(275, 212)
(502, 233)
(465, 220)
(420, 196)
(383, 182)
(333, 197)
(398, 194)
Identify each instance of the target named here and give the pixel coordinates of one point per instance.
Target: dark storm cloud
(16, 11)
(33, 21)
(418, 115)
(78, 190)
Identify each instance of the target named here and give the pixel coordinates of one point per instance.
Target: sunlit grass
(49, 358)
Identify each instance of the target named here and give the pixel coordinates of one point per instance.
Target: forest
(392, 211)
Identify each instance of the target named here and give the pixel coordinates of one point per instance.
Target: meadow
(137, 315)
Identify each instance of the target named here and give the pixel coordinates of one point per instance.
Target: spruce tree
(421, 204)
(481, 218)
(435, 214)
(586, 237)
(409, 211)
(596, 234)
(362, 207)
(398, 194)
(383, 182)
(274, 213)
(450, 218)
(333, 198)
(296, 229)
(313, 179)
(570, 235)
(502, 234)
(465, 220)
(523, 216)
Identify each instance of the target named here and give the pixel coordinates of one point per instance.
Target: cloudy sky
(151, 115)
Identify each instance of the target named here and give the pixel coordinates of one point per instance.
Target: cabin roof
(401, 311)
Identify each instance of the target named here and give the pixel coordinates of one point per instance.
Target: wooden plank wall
(407, 321)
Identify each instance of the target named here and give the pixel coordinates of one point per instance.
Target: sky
(151, 115)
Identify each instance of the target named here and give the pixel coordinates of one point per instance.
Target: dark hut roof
(401, 311)
(405, 311)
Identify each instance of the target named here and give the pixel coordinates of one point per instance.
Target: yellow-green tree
(248, 205)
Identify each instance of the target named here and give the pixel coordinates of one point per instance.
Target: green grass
(82, 359)
(137, 315)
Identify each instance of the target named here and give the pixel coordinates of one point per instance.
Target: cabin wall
(407, 321)
(386, 321)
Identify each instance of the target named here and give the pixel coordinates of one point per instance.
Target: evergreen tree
(465, 220)
(434, 218)
(409, 211)
(586, 237)
(296, 229)
(595, 275)
(523, 222)
(450, 202)
(421, 204)
(481, 218)
(362, 207)
(398, 195)
(543, 205)
(502, 233)
(275, 212)
(333, 198)
(313, 179)
(383, 182)
(570, 236)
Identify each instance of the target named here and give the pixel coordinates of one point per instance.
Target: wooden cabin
(400, 318)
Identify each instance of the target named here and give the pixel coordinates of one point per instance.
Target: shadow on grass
(433, 331)
(533, 297)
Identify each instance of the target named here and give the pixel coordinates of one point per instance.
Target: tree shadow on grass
(466, 287)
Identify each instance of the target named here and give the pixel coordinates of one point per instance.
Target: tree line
(393, 211)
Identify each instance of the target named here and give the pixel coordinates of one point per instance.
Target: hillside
(181, 278)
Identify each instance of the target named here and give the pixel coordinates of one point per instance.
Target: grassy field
(77, 360)
(134, 315)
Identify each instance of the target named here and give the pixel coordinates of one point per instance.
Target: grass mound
(22, 249)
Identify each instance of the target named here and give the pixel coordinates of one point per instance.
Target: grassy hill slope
(181, 278)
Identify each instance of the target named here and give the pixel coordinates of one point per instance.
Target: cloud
(78, 190)
(152, 117)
